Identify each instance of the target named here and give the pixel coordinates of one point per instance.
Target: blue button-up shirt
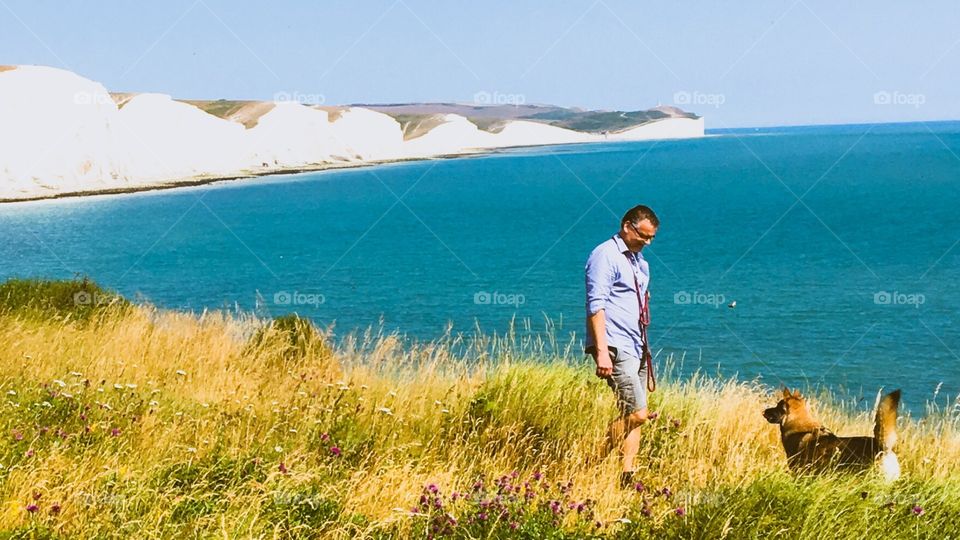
(610, 274)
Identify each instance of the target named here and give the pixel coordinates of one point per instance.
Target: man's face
(638, 235)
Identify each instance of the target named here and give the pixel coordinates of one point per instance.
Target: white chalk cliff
(61, 133)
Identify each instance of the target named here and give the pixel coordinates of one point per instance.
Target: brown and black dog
(812, 447)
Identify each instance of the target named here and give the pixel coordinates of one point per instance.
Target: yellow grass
(206, 417)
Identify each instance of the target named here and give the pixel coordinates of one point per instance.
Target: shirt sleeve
(600, 276)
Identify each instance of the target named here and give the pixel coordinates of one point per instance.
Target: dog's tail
(885, 424)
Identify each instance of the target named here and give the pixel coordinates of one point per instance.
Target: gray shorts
(629, 382)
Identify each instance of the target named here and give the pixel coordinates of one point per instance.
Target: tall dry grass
(144, 423)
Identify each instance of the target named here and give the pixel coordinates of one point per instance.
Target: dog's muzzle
(773, 415)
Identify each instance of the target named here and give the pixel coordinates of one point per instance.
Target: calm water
(838, 244)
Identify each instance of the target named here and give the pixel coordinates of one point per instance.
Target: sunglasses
(647, 237)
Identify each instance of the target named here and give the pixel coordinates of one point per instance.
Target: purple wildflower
(17, 436)
(54, 509)
(335, 450)
(115, 432)
(680, 511)
(282, 468)
(917, 510)
(32, 508)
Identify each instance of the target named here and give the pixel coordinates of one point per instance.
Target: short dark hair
(639, 213)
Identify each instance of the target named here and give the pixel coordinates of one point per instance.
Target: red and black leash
(644, 322)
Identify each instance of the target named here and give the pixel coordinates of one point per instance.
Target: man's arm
(597, 323)
(600, 274)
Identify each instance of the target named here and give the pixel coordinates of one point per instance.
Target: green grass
(53, 299)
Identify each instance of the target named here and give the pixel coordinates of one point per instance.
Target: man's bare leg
(624, 434)
(616, 432)
(631, 442)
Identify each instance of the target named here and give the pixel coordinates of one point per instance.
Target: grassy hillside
(130, 421)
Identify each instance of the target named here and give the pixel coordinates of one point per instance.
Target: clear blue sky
(745, 63)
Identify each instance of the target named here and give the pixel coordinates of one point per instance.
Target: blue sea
(838, 244)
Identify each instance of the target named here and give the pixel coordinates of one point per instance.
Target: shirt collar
(621, 245)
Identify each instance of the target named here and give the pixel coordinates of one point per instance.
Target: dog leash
(644, 322)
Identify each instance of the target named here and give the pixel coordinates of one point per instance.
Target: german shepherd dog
(812, 447)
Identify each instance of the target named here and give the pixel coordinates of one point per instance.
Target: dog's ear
(796, 394)
(786, 392)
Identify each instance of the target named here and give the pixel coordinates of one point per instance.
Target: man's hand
(604, 363)
(597, 326)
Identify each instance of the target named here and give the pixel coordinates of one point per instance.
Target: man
(617, 277)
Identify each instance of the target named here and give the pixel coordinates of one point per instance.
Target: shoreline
(195, 181)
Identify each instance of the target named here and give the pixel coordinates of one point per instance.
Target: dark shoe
(627, 480)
